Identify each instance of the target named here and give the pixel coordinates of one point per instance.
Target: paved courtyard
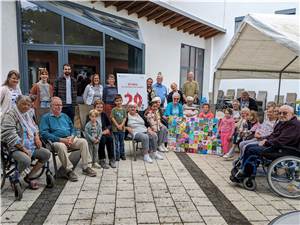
(164, 192)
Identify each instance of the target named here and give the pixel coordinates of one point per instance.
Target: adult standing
(9, 91)
(190, 88)
(174, 89)
(65, 88)
(93, 91)
(150, 91)
(160, 89)
(109, 93)
(247, 102)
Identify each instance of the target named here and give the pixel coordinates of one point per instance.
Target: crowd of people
(109, 121)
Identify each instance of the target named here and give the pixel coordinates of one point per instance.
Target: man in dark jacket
(65, 88)
(246, 101)
(286, 133)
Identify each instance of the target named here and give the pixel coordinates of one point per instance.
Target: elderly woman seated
(190, 109)
(154, 119)
(174, 108)
(21, 134)
(139, 132)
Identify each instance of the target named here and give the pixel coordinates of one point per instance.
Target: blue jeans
(119, 144)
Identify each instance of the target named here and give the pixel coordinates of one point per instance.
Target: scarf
(26, 122)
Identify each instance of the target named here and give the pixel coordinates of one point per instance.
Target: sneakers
(161, 148)
(103, 164)
(228, 156)
(147, 158)
(89, 172)
(166, 148)
(112, 163)
(158, 156)
(96, 166)
(72, 176)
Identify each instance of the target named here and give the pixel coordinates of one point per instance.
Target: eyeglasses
(176, 98)
(58, 105)
(283, 113)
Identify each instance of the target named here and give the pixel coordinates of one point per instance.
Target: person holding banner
(109, 93)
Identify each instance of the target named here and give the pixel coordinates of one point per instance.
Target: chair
(239, 92)
(252, 94)
(280, 100)
(220, 94)
(291, 99)
(262, 97)
(230, 94)
(210, 97)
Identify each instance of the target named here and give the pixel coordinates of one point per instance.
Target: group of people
(109, 121)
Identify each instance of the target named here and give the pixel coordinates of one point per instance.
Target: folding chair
(230, 94)
(252, 94)
(280, 100)
(239, 92)
(291, 99)
(262, 97)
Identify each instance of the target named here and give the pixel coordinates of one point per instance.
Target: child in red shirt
(206, 113)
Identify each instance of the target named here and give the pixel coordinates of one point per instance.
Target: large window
(121, 57)
(40, 26)
(191, 60)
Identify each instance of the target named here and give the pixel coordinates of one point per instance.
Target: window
(191, 60)
(40, 26)
(121, 57)
(238, 22)
(286, 11)
(78, 34)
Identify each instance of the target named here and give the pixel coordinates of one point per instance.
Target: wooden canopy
(168, 16)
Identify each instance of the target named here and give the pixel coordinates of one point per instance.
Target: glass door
(38, 57)
(84, 62)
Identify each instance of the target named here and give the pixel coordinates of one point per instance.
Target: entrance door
(84, 62)
(48, 58)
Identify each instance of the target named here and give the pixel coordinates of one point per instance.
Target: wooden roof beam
(203, 31)
(172, 20)
(147, 11)
(124, 5)
(192, 27)
(212, 34)
(165, 17)
(180, 22)
(136, 7)
(157, 14)
(208, 33)
(202, 26)
(189, 24)
(109, 3)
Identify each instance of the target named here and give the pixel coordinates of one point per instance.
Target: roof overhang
(167, 15)
(263, 47)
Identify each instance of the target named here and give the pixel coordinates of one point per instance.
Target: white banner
(133, 88)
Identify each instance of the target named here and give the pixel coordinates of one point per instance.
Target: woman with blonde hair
(42, 91)
(93, 91)
(9, 91)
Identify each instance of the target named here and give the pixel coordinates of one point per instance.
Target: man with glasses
(286, 133)
(58, 128)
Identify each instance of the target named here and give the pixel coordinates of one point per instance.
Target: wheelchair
(9, 170)
(281, 166)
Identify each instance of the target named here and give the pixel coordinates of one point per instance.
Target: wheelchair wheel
(3, 177)
(50, 180)
(284, 176)
(249, 183)
(18, 191)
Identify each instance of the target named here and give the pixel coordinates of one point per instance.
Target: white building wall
(163, 46)
(9, 42)
(223, 13)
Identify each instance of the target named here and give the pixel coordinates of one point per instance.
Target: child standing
(93, 133)
(42, 90)
(118, 118)
(226, 129)
(206, 113)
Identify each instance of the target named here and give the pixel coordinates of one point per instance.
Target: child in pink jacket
(226, 130)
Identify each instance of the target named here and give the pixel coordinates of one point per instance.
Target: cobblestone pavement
(160, 193)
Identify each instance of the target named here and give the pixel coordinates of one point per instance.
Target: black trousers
(69, 110)
(106, 140)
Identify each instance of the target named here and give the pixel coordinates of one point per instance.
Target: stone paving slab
(160, 193)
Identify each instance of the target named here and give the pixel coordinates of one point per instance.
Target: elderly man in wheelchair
(20, 145)
(280, 152)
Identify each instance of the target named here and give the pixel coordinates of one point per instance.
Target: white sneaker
(161, 148)
(147, 158)
(226, 156)
(158, 156)
(166, 149)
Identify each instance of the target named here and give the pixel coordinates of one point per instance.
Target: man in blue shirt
(57, 127)
(160, 89)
